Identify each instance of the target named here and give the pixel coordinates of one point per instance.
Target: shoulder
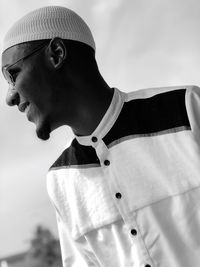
(150, 112)
(150, 92)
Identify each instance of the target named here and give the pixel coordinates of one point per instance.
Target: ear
(57, 52)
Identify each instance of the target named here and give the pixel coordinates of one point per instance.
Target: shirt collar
(107, 121)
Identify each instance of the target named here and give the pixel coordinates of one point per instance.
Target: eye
(13, 75)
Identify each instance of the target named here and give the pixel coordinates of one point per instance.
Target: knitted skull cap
(46, 23)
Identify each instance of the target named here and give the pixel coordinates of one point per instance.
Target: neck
(93, 110)
(83, 99)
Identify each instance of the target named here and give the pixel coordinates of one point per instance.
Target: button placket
(106, 164)
(102, 151)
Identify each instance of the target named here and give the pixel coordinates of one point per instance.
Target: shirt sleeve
(193, 110)
(75, 253)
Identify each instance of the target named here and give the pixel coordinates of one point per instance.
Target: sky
(140, 44)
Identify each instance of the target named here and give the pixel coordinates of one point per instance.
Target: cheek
(34, 87)
(24, 84)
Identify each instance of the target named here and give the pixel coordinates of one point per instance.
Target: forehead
(12, 54)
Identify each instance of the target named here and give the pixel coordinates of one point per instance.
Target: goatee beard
(43, 132)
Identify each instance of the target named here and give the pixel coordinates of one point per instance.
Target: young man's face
(32, 91)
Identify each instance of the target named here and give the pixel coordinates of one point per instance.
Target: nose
(12, 97)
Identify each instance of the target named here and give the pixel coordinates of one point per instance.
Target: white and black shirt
(129, 194)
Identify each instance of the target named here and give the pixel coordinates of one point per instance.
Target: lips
(22, 107)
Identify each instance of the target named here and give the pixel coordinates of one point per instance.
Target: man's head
(44, 57)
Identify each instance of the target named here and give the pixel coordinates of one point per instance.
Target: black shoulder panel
(77, 155)
(146, 116)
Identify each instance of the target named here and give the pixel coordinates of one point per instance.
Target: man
(127, 189)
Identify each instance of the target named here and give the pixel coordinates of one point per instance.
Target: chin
(43, 135)
(43, 131)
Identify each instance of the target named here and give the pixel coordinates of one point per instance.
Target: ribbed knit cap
(46, 23)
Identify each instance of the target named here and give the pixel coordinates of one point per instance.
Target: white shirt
(129, 194)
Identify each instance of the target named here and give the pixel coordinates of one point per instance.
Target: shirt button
(118, 195)
(94, 139)
(106, 162)
(133, 232)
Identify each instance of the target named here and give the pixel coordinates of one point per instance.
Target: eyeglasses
(5, 70)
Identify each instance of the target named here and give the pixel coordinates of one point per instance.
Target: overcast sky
(140, 43)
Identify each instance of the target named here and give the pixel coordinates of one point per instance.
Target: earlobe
(57, 52)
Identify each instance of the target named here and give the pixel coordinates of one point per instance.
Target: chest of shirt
(128, 176)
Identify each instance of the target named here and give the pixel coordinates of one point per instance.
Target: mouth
(23, 107)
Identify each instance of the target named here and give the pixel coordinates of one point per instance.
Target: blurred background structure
(140, 43)
(44, 251)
